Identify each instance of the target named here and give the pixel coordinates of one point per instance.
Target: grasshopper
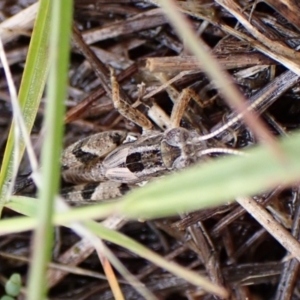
(108, 164)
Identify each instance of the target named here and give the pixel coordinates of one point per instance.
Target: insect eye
(182, 162)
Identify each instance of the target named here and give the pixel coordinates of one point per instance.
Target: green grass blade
(204, 185)
(128, 243)
(117, 238)
(61, 20)
(30, 93)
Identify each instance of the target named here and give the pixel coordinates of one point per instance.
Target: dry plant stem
(191, 63)
(166, 84)
(234, 119)
(65, 268)
(274, 228)
(170, 256)
(202, 215)
(75, 112)
(241, 292)
(97, 65)
(258, 235)
(279, 128)
(239, 211)
(115, 287)
(261, 273)
(290, 272)
(261, 100)
(211, 263)
(72, 257)
(287, 62)
(79, 252)
(288, 8)
(21, 22)
(275, 48)
(116, 60)
(180, 236)
(281, 29)
(145, 20)
(16, 55)
(206, 254)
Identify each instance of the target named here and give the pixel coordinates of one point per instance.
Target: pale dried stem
(18, 24)
(268, 222)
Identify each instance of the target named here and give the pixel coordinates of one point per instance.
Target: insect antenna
(221, 151)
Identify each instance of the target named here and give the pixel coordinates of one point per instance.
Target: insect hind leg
(126, 109)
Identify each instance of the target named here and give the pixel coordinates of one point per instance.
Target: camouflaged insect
(105, 168)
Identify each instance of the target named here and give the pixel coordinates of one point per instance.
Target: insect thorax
(152, 155)
(180, 148)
